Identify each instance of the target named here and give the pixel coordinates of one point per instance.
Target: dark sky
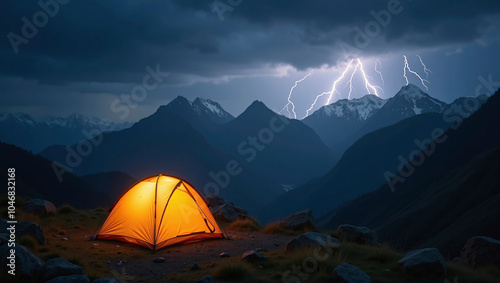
(84, 56)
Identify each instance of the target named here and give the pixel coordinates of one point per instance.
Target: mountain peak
(354, 109)
(412, 91)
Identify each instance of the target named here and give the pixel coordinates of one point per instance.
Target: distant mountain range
(36, 134)
(452, 195)
(342, 123)
(361, 168)
(263, 161)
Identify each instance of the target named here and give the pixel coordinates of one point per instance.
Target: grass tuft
(245, 225)
(278, 228)
(66, 209)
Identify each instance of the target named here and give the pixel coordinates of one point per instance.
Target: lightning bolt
(366, 78)
(334, 87)
(376, 70)
(407, 67)
(331, 92)
(426, 71)
(290, 97)
(350, 80)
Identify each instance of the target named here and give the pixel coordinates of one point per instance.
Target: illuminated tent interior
(160, 211)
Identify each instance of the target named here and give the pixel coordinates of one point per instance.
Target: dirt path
(182, 257)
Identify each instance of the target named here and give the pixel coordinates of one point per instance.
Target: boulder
(39, 207)
(311, 239)
(480, 250)
(302, 220)
(57, 267)
(214, 200)
(253, 257)
(424, 263)
(25, 229)
(357, 234)
(70, 279)
(242, 213)
(225, 212)
(27, 264)
(107, 280)
(159, 260)
(347, 273)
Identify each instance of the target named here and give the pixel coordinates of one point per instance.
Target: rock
(64, 239)
(253, 257)
(347, 273)
(224, 254)
(357, 234)
(214, 200)
(424, 263)
(242, 213)
(311, 239)
(25, 229)
(225, 212)
(60, 267)
(302, 220)
(107, 280)
(39, 207)
(455, 260)
(214, 264)
(195, 267)
(159, 260)
(206, 279)
(70, 278)
(480, 250)
(27, 264)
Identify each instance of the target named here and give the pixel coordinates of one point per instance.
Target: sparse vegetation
(247, 224)
(279, 229)
(66, 209)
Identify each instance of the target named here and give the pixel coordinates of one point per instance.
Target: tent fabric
(159, 211)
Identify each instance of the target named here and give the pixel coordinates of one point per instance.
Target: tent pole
(154, 227)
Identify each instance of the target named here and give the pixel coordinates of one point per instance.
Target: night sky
(84, 56)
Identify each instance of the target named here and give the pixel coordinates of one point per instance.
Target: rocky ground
(59, 250)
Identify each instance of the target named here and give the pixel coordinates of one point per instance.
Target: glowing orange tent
(159, 211)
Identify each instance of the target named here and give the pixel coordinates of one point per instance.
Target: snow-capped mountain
(354, 109)
(36, 134)
(343, 122)
(212, 110)
(411, 100)
(204, 109)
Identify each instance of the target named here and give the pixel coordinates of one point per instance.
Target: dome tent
(160, 211)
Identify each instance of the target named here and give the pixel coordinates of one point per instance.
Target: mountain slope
(113, 183)
(361, 169)
(35, 178)
(288, 151)
(166, 143)
(292, 156)
(35, 135)
(338, 121)
(452, 196)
